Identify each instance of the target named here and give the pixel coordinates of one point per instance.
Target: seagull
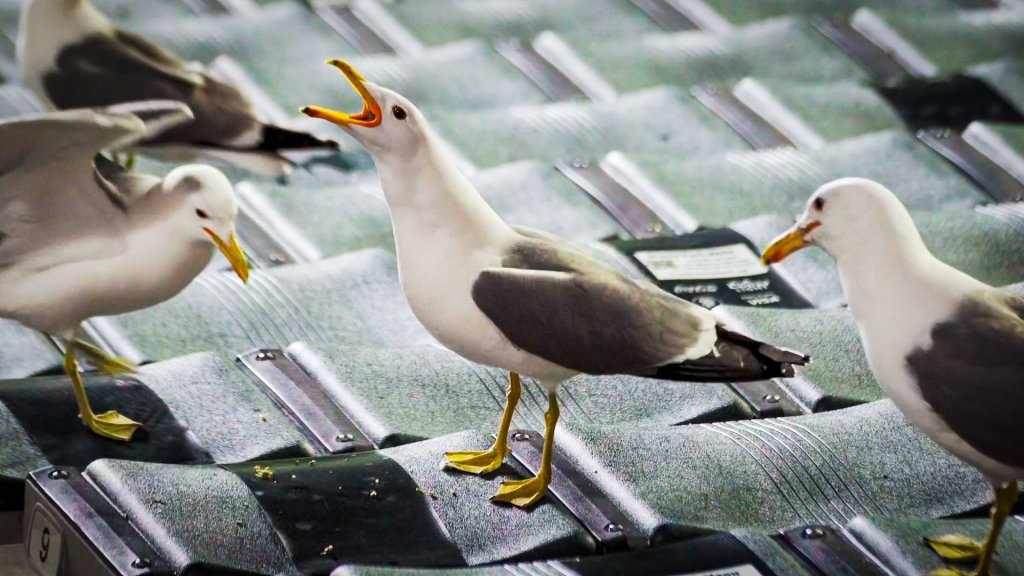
(948, 349)
(82, 237)
(72, 56)
(524, 300)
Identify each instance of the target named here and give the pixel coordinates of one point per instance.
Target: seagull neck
(428, 195)
(166, 259)
(885, 275)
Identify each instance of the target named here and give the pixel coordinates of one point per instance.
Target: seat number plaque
(44, 545)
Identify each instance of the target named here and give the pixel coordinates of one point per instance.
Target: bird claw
(521, 493)
(112, 425)
(478, 463)
(955, 547)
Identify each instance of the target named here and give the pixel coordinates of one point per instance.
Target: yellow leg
(109, 424)
(490, 460)
(102, 361)
(959, 548)
(526, 493)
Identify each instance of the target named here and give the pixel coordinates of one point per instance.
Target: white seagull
(80, 237)
(72, 56)
(948, 349)
(523, 300)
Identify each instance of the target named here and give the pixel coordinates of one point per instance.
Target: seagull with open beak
(81, 237)
(948, 349)
(524, 300)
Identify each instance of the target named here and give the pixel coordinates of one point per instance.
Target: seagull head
(847, 218)
(207, 211)
(388, 123)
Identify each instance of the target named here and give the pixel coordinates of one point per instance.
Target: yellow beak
(792, 240)
(371, 114)
(233, 252)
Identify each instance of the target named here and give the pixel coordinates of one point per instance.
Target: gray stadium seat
(952, 41)
(351, 299)
(741, 12)
(400, 395)
(466, 74)
(725, 188)
(784, 48)
(24, 352)
(659, 120)
(440, 21)
(759, 476)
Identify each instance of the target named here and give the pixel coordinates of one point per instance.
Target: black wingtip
(276, 138)
(738, 358)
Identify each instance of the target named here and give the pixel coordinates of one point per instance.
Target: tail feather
(276, 138)
(737, 358)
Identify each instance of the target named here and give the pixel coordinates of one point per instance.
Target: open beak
(371, 114)
(792, 240)
(233, 252)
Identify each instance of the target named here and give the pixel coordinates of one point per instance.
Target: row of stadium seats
(297, 424)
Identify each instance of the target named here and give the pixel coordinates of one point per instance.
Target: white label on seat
(44, 545)
(744, 570)
(732, 261)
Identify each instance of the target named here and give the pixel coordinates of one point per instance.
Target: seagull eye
(202, 214)
(399, 112)
(819, 204)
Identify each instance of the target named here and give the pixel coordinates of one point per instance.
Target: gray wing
(973, 375)
(54, 208)
(556, 302)
(103, 70)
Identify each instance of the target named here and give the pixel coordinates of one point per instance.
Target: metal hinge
(831, 553)
(667, 15)
(754, 128)
(349, 24)
(995, 180)
(553, 82)
(222, 6)
(269, 238)
(637, 205)
(578, 494)
(304, 401)
(99, 524)
(767, 399)
(876, 61)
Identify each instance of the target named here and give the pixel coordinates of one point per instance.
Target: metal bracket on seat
(882, 65)
(986, 172)
(623, 200)
(305, 402)
(830, 552)
(767, 399)
(222, 6)
(269, 238)
(578, 494)
(95, 537)
(750, 125)
(666, 15)
(554, 83)
(356, 30)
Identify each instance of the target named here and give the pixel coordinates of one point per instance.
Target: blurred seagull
(72, 56)
(948, 349)
(80, 237)
(523, 300)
